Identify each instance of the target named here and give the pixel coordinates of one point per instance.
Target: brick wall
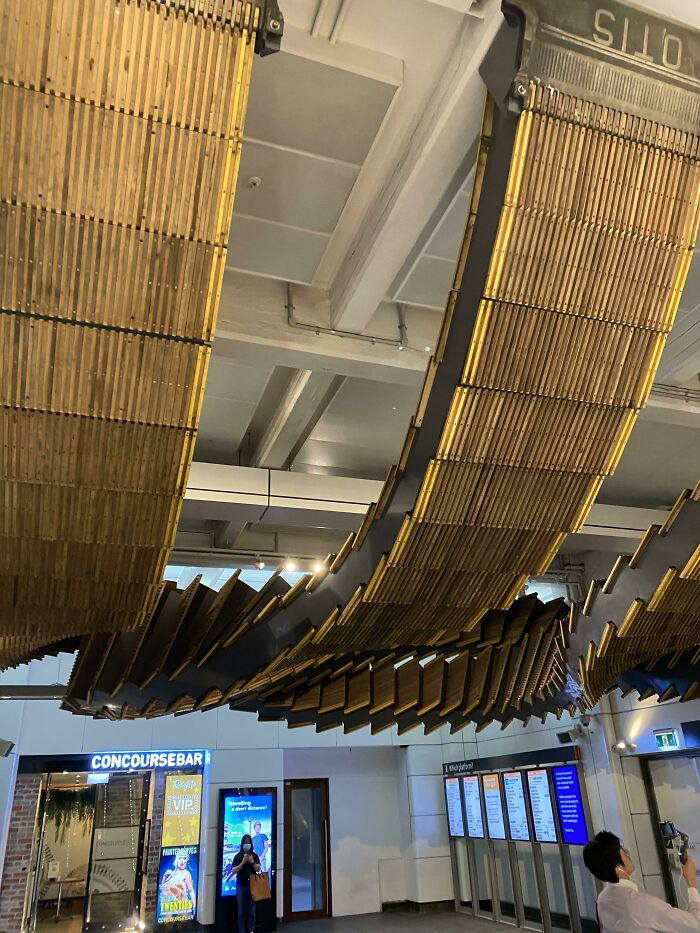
(151, 881)
(18, 852)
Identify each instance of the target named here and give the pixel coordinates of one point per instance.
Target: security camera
(586, 720)
(5, 747)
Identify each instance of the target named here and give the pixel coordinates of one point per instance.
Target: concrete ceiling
(354, 184)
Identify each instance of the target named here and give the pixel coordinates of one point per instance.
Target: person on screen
(177, 881)
(245, 863)
(622, 907)
(261, 844)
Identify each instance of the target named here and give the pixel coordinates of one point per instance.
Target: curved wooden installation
(647, 609)
(121, 133)
(583, 219)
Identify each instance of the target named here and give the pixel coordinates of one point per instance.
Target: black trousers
(246, 910)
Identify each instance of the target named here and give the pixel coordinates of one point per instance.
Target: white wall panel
(426, 795)
(243, 730)
(433, 880)
(430, 838)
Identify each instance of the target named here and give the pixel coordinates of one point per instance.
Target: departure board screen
(515, 805)
(472, 805)
(455, 820)
(541, 805)
(494, 807)
(572, 820)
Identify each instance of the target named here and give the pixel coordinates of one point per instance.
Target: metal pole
(473, 877)
(517, 887)
(495, 896)
(455, 872)
(542, 887)
(570, 889)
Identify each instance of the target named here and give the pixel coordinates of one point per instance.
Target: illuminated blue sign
(133, 761)
(571, 817)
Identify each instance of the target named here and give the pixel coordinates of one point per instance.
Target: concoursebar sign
(131, 761)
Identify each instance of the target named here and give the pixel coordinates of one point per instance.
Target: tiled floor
(394, 922)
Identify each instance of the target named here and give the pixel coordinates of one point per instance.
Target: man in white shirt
(622, 907)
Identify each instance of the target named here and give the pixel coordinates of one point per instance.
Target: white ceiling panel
(222, 428)
(447, 239)
(316, 108)
(270, 249)
(659, 461)
(232, 394)
(343, 460)
(363, 429)
(429, 283)
(295, 189)
(238, 382)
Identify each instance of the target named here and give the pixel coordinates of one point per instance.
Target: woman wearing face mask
(245, 863)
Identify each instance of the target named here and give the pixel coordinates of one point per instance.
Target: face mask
(246, 847)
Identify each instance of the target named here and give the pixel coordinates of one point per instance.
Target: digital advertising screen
(541, 806)
(493, 806)
(251, 814)
(472, 806)
(572, 820)
(177, 884)
(515, 805)
(182, 810)
(455, 820)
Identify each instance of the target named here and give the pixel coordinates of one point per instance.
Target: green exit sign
(666, 739)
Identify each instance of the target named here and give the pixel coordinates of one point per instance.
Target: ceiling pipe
(318, 19)
(400, 343)
(339, 20)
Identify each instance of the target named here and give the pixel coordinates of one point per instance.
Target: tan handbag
(260, 887)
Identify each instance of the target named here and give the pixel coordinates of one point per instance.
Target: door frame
(654, 814)
(290, 785)
(144, 839)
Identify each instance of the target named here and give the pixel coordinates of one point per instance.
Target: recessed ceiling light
(290, 566)
(427, 349)
(318, 567)
(260, 565)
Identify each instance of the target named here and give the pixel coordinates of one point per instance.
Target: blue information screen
(253, 815)
(570, 805)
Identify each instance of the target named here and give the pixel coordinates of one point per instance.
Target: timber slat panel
(121, 132)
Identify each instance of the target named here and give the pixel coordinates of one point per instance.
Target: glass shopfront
(93, 860)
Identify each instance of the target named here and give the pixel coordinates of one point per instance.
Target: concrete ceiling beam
(252, 328)
(280, 497)
(298, 411)
(416, 181)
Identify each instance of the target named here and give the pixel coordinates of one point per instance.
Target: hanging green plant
(64, 806)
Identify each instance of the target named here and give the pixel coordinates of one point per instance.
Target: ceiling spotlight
(290, 566)
(260, 564)
(623, 746)
(427, 349)
(318, 567)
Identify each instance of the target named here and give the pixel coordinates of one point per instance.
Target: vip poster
(177, 884)
(245, 814)
(182, 810)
